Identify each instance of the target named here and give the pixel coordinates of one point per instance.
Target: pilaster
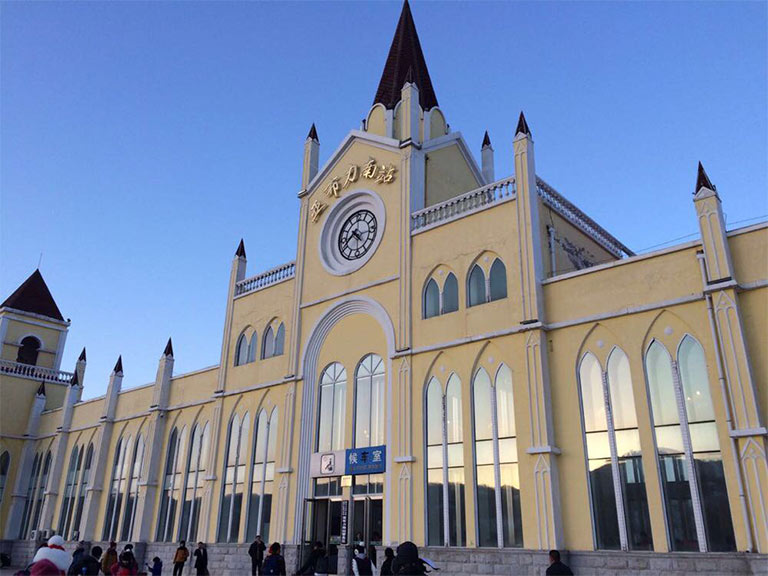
(746, 429)
(21, 482)
(486, 154)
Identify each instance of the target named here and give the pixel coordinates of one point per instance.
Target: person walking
(256, 552)
(157, 567)
(386, 566)
(77, 555)
(274, 563)
(109, 559)
(407, 561)
(556, 567)
(88, 564)
(201, 560)
(317, 552)
(180, 558)
(361, 564)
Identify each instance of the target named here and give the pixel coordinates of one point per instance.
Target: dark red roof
(33, 296)
(703, 181)
(405, 62)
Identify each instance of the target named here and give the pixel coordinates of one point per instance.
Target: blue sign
(370, 460)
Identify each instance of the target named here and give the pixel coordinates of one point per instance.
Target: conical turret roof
(33, 296)
(405, 62)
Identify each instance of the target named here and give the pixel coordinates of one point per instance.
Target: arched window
(496, 448)
(241, 350)
(70, 485)
(132, 491)
(616, 476)
(333, 397)
(119, 478)
(30, 500)
(445, 464)
(253, 347)
(450, 294)
(431, 299)
(280, 340)
(28, 350)
(498, 280)
(234, 479)
(41, 491)
(5, 464)
(193, 488)
(369, 417)
(263, 476)
(476, 287)
(268, 345)
(85, 478)
(688, 449)
(174, 470)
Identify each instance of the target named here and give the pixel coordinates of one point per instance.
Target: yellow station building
(467, 362)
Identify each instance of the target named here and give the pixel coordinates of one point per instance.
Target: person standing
(361, 564)
(274, 563)
(556, 567)
(157, 567)
(50, 560)
(109, 559)
(180, 558)
(386, 566)
(201, 560)
(256, 552)
(88, 564)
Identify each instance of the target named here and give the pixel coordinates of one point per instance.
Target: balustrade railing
(468, 202)
(265, 279)
(35, 372)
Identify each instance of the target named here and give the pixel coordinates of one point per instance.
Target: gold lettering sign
(371, 170)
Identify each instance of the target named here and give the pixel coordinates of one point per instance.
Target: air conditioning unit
(46, 534)
(33, 535)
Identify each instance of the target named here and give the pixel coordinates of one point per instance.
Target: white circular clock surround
(359, 202)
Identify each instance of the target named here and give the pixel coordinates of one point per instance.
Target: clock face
(357, 234)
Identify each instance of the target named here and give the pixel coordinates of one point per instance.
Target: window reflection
(333, 392)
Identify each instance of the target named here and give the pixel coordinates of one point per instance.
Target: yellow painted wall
(447, 175)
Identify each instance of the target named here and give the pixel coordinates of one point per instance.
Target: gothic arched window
(132, 491)
(241, 350)
(333, 400)
(431, 299)
(263, 476)
(450, 294)
(234, 479)
(476, 293)
(193, 488)
(5, 464)
(498, 280)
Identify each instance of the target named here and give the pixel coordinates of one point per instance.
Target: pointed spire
(33, 296)
(522, 126)
(82, 355)
(119, 365)
(486, 140)
(168, 349)
(313, 134)
(41, 390)
(405, 63)
(240, 249)
(75, 380)
(703, 181)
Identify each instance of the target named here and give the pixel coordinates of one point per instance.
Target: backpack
(271, 565)
(363, 566)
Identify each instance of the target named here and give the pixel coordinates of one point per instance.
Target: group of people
(53, 560)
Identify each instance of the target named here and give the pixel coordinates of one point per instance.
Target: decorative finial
(313, 134)
(75, 380)
(240, 249)
(82, 355)
(703, 181)
(486, 140)
(168, 349)
(522, 126)
(41, 390)
(119, 365)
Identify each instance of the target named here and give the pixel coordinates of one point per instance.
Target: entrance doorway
(367, 523)
(322, 523)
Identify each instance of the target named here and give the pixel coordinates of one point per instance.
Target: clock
(357, 234)
(352, 231)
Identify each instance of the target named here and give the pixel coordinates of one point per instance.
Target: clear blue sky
(140, 141)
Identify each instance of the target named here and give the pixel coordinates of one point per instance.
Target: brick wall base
(233, 560)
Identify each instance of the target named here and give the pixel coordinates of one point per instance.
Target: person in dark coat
(156, 569)
(556, 567)
(90, 562)
(386, 566)
(317, 552)
(407, 561)
(256, 552)
(201, 560)
(274, 563)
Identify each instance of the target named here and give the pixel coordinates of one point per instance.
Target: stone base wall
(233, 560)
